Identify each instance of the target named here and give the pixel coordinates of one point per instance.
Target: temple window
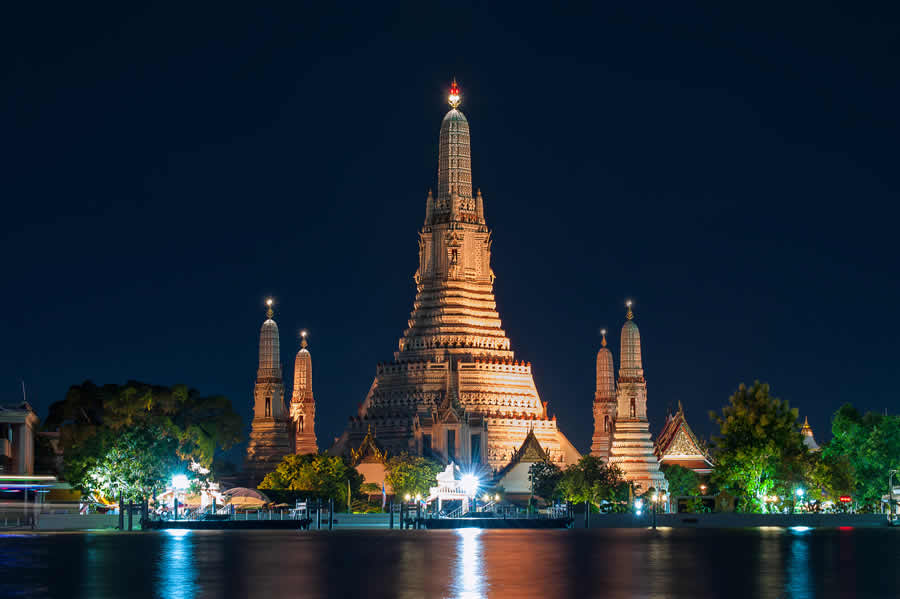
(632, 408)
(268, 406)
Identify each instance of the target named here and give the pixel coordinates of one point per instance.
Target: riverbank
(62, 522)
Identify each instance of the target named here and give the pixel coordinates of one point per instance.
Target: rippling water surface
(466, 563)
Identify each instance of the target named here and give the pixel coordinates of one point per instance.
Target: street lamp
(891, 514)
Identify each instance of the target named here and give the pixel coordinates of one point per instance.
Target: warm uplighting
(497, 497)
(180, 482)
(407, 497)
(418, 497)
(486, 497)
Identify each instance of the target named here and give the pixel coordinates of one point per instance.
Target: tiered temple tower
(454, 390)
(303, 406)
(632, 450)
(604, 402)
(269, 440)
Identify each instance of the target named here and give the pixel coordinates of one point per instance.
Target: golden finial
(603, 332)
(630, 314)
(454, 97)
(303, 335)
(269, 312)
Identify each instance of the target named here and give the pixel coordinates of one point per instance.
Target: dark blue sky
(734, 170)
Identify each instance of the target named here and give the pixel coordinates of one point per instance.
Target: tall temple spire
(269, 346)
(630, 348)
(632, 449)
(269, 441)
(454, 161)
(303, 405)
(604, 402)
(453, 389)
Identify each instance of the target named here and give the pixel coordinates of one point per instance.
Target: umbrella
(242, 496)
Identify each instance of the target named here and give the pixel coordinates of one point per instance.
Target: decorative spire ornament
(454, 98)
(303, 335)
(603, 333)
(269, 312)
(630, 314)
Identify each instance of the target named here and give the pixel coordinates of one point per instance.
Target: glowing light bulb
(454, 96)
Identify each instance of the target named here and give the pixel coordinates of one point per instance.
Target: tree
(683, 482)
(591, 480)
(759, 445)
(545, 478)
(156, 429)
(320, 475)
(413, 475)
(870, 444)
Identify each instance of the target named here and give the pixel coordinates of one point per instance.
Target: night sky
(733, 170)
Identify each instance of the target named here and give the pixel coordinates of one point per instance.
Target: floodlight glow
(407, 497)
(487, 497)
(638, 503)
(497, 497)
(180, 482)
(470, 484)
(800, 492)
(418, 497)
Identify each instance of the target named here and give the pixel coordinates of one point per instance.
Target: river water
(609, 563)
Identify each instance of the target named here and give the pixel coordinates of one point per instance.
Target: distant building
(18, 427)
(676, 444)
(808, 439)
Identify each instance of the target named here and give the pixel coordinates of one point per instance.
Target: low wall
(731, 520)
(79, 522)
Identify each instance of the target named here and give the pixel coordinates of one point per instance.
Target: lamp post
(891, 496)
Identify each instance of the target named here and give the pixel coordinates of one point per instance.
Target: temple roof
(677, 444)
(368, 451)
(529, 452)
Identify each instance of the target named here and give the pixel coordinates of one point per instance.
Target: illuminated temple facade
(454, 390)
(275, 430)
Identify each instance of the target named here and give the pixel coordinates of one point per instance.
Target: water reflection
(396, 564)
(798, 576)
(470, 572)
(176, 568)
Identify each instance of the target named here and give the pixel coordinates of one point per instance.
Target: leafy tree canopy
(411, 474)
(683, 482)
(133, 437)
(592, 480)
(321, 475)
(545, 478)
(870, 446)
(759, 449)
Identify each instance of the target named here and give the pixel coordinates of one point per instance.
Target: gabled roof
(369, 450)
(530, 452)
(677, 440)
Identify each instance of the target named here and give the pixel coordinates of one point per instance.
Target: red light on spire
(454, 96)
